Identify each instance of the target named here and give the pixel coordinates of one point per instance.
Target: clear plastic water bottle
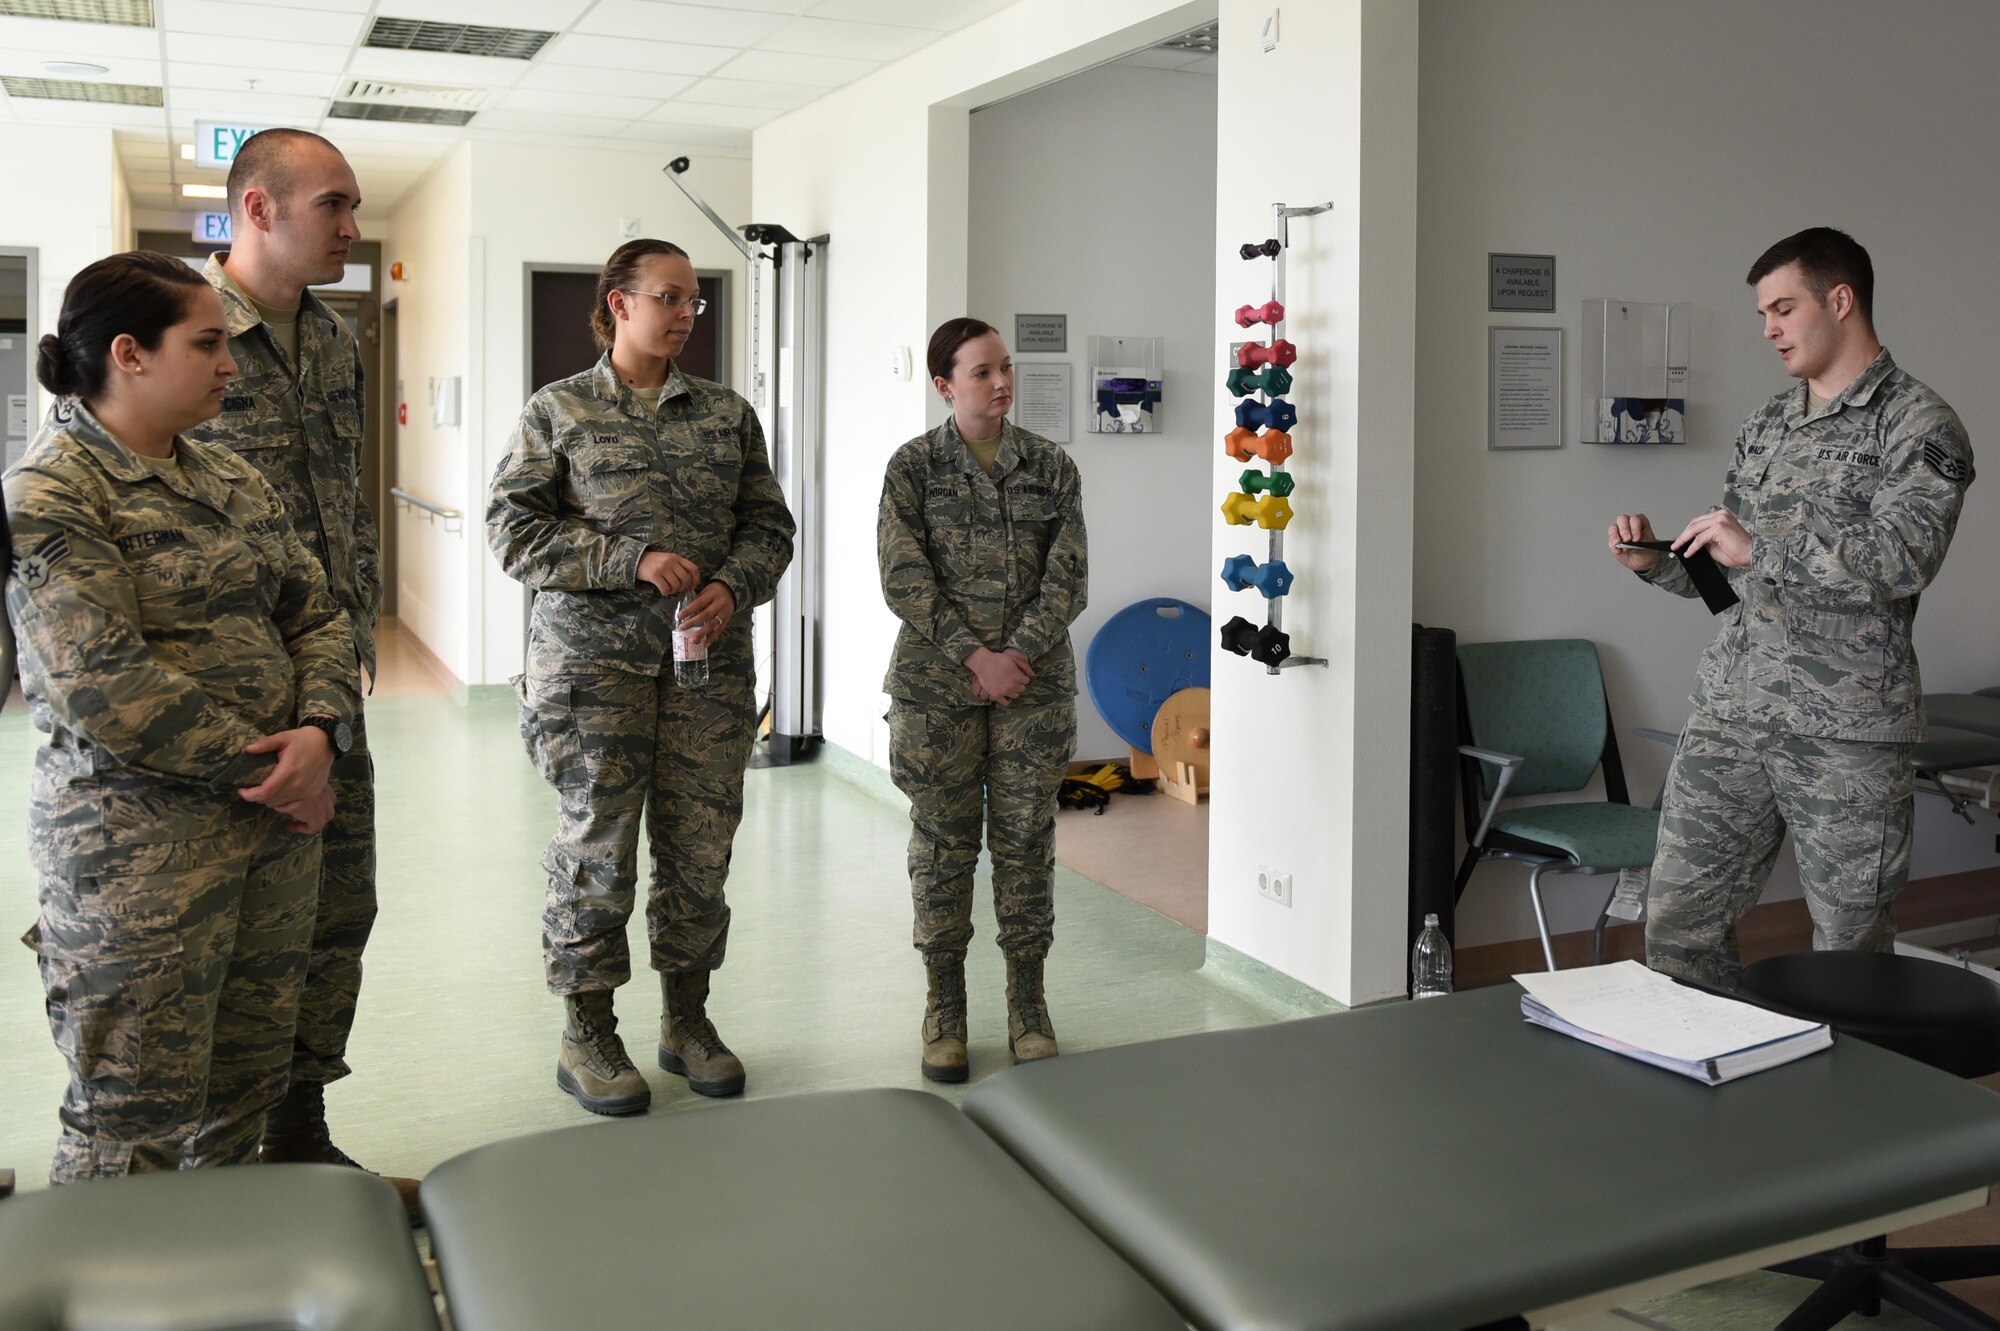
(690, 652)
(1430, 962)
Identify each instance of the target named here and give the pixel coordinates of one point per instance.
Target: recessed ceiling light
(73, 69)
(187, 152)
(205, 191)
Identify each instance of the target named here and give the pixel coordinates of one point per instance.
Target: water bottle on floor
(1430, 962)
(690, 652)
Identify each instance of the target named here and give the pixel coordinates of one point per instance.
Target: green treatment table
(1445, 1165)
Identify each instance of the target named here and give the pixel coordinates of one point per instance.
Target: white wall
(1095, 198)
(91, 222)
(1656, 150)
(883, 166)
(430, 235)
(468, 231)
(1311, 773)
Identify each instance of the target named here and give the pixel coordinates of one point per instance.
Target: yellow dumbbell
(1271, 512)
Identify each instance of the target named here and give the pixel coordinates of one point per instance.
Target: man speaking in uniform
(1837, 512)
(294, 412)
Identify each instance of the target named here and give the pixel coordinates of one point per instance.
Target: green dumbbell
(1274, 380)
(1278, 483)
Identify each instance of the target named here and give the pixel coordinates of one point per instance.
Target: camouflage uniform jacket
(164, 621)
(1850, 511)
(302, 428)
(592, 480)
(970, 560)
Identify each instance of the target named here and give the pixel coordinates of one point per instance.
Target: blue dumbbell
(1278, 414)
(1241, 571)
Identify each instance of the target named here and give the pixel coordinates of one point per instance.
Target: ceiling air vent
(75, 90)
(1201, 40)
(125, 13)
(410, 103)
(410, 34)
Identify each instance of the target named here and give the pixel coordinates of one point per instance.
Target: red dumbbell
(1270, 312)
(1279, 353)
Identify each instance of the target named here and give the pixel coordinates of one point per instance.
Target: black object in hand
(1707, 575)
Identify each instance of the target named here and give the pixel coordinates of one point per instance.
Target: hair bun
(52, 367)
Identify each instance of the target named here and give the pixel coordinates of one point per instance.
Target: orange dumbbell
(1242, 444)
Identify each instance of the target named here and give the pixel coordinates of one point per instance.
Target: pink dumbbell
(1270, 312)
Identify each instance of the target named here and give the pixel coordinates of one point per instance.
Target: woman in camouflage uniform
(181, 649)
(622, 488)
(981, 544)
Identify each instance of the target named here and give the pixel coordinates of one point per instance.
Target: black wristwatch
(338, 733)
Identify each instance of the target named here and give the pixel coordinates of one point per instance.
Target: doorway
(18, 320)
(560, 298)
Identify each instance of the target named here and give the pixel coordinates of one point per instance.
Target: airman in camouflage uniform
(300, 425)
(593, 479)
(971, 559)
(166, 618)
(1807, 704)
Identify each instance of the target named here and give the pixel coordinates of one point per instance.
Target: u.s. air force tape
(1941, 460)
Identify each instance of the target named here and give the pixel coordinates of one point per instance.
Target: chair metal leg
(1914, 1294)
(1597, 935)
(1541, 916)
(1969, 1261)
(1828, 1305)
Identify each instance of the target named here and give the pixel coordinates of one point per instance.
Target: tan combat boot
(1030, 1035)
(944, 1020)
(295, 1132)
(592, 1065)
(688, 1042)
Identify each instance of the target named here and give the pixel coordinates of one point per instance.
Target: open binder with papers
(1636, 1012)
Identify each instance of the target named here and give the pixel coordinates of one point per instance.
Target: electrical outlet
(1274, 884)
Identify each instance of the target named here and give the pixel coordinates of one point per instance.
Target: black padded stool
(1926, 1010)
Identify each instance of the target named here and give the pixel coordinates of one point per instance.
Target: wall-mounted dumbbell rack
(1264, 422)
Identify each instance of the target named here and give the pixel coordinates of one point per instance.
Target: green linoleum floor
(455, 1042)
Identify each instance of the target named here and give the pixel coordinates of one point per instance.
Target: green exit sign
(216, 145)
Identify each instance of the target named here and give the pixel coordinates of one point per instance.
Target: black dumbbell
(1252, 250)
(1239, 635)
(1272, 647)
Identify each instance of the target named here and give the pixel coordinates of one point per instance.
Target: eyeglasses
(695, 303)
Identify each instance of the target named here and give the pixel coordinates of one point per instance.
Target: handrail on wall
(454, 520)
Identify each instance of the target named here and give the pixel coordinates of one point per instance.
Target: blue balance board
(1143, 655)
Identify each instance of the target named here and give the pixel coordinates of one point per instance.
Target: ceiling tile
(532, 138)
(123, 69)
(575, 103)
(619, 53)
(862, 41)
(649, 134)
(696, 113)
(533, 122)
(615, 82)
(435, 67)
(254, 108)
(740, 92)
(943, 15)
(34, 111)
(699, 25)
(182, 75)
(257, 55)
(541, 15)
(224, 19)
(79, 40)
(784, 67)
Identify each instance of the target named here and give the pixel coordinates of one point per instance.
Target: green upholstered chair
(1533, 720)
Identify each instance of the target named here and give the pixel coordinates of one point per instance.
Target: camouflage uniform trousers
(615, 745)
(346, 917)
(172, 973)
(962, 766)
(1731, 794)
